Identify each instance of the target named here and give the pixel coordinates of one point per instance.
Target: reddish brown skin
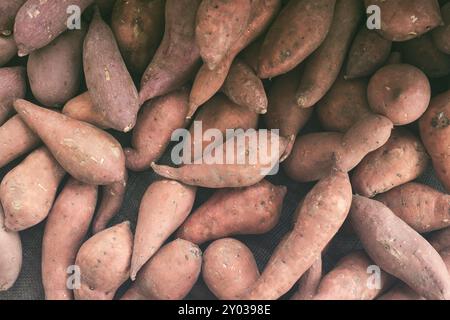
(139, 27)
(219, 24)
(440, 239)
(399, 250)
(158, 119)
(40, 22)
(244, 88)
(229, 268)
(441, 34)
(9, 9)
(435, 133)
(164, 207)
(402, 159)
(54, 71)
(421, 207)
(251, 210)
(344, 105)
(368, 53)
(401, 292)
(283, 112)
(12, 87)
(110, 85)
(87, 153)
(324, 65)
(314, 228)
(66, 227)
(349, 280)
(178, 56)
(400, 92)
(309, 282)
(27, 192)
(397, 23)
(8, 49)
(16, 139)
(297, 32)
(104, 262)
(208, 82)
(169, 275)
(82, 108)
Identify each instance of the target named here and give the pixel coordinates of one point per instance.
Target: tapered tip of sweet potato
(164, 171)
(192, 109)
(289, 147)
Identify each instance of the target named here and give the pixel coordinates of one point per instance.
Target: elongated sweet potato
(12, 87)
(16, 139)
(40, 22)
(368, 53)
(323, 67)
(8, 49)
(441, 34)
(440, 239)
(242, 161)
(398, 249)
(402, 159)
(434, 130)
(307, 162)
(87, 153)
(169, 275)
(8, 9)
(10, 255)
(297, 32)
(139, 27)
(27, 192)
(82, 108)
(219, 24)
(178, 56)
(244, 88)
(110, 85)
(54, 71)
(309, 282)
(321, 215)
(251, 210)
(401, 292)
(164, 207)
(66, 227)
(208, 82)
(421, 207)
(104, 262)
(229, 268)
(157, 121)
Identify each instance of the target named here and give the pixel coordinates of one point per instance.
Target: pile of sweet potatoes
(89, 100)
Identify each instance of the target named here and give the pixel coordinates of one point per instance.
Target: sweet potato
(82, 108)
(440, 239)
(139, 27)
(323, 67)
(251, 210)
(104, 262)
(8, 49)
(400, 92)
(110, 85)
(398, 249)
(164, 207)
(321, 215)
(401, 292)
(8, 9)
(178, 56)
(283, 112)
(16, 139)
(88, 154)
(407, 19)
(441, 34)
(27, 192)
(402, 159)
(351, 279)
(66, 227)
(421, 207)
(54, 71)
(208, 82)
(10, 255)
(434, 130)
(169, 275)
(40, 22)
(244, 88)
(368, 53)
(157, 121)
(297, 32)
(242, 161)
(229, 268)
(344, 105)
(12, 87)
(315, 155)
(308, 283)
(219, 24)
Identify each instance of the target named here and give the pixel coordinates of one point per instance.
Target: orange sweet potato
(82, 108)
(309, 282)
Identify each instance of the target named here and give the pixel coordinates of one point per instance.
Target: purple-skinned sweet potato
(8, 49)
(8, 11)
(12, 86)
